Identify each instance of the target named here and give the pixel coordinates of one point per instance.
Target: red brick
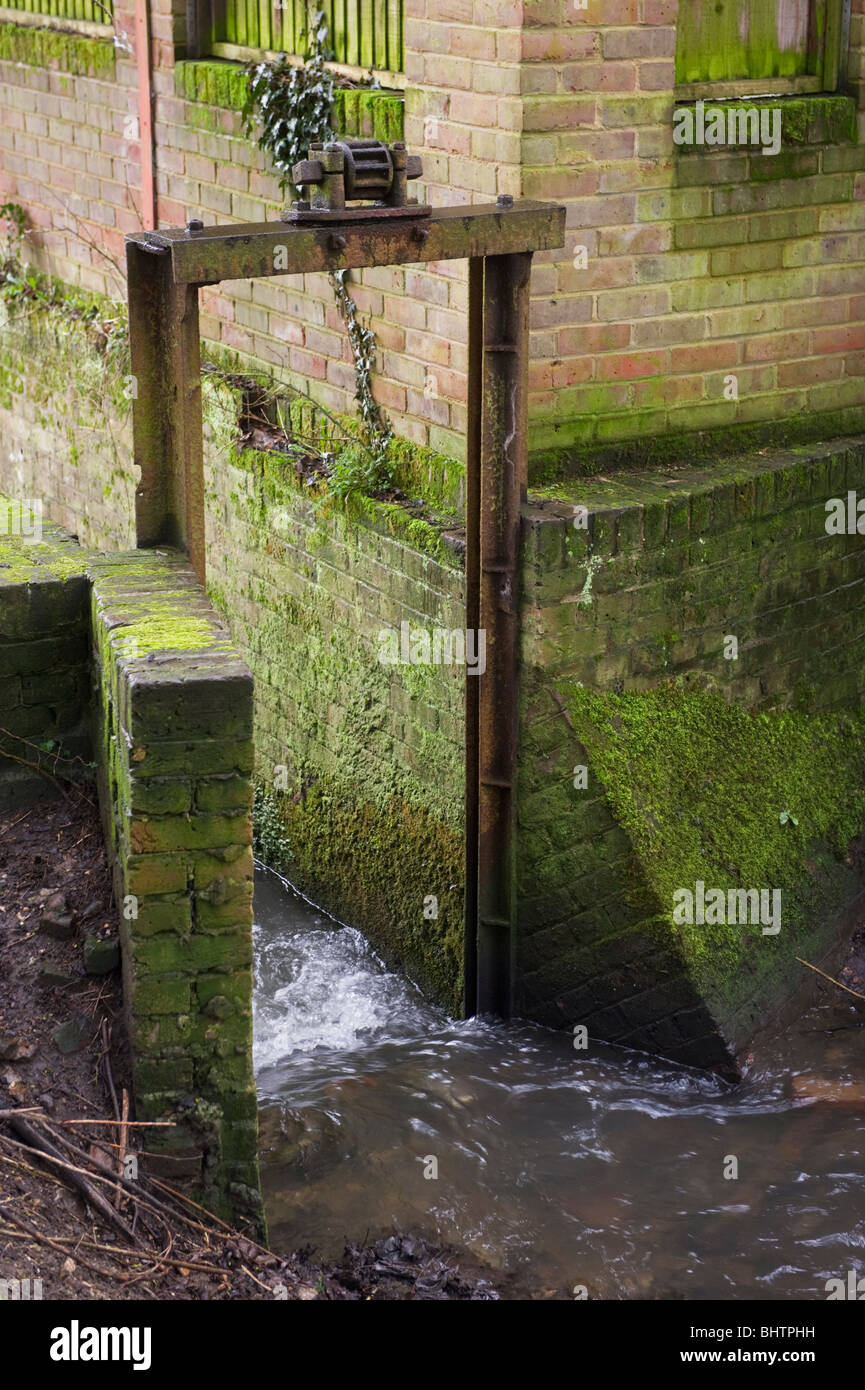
(628, 366)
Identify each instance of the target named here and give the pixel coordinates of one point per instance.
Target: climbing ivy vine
(376, 430)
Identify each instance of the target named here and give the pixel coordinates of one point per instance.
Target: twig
(106, 1064)
(132, 1124)
(55, 1245)
(74, 1176)
(830, 978)
(228, 1231)
(123, 1250)
(121, 1157)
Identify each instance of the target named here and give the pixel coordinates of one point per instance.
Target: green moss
(805, 120)
(375, 864)
(659, 451)
(700, 787)
(51, 48)
(169, 628)
(357, 112)
(24, 561)
(213, 81)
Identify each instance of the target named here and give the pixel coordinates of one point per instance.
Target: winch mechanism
(345, 171)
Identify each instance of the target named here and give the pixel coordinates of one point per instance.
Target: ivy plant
(287, 109)
(292, 106)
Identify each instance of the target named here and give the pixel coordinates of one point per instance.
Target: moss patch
(376, 864)
(658, 451)
(358, 112)
(707, 791)
(805, 120)
(22, 561)
(50, 48)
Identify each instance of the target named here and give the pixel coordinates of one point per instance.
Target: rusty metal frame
(166, 269)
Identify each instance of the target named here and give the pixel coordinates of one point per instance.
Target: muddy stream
(558, 1169)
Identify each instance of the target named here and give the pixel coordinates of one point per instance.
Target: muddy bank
(78, 1211)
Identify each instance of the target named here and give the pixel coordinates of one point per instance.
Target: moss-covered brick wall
(358, 112)
(66, 424)
(360, 764)
(74, 54)
(173, 719)
(680, 268)
(655, 752)
(119, 664)
(373, 806)
(44, 654)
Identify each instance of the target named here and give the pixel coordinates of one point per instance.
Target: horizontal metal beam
(246, 250)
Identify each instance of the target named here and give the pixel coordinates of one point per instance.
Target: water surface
(558, 1168)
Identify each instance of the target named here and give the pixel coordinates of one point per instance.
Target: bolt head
(195, 224)
(505, 200)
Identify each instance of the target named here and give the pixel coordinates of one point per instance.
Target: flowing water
(603, 1169)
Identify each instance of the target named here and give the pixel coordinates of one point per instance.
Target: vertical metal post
(503, 459)
(473, 620)
(166, 413)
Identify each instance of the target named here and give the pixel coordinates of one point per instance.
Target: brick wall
(174, 751)
(696, 265)
(366, 760)
(44, 680)
(665, 571)
(371, 793)
(122, 659)
(66, 427)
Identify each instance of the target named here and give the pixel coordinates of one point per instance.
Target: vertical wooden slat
(379, 32)
(328, 6)
(367, 14)
(214, 24)
(338, 33)
(394, 36)
(235, 15)
(832, 45)
(353, 31)
(284, 27)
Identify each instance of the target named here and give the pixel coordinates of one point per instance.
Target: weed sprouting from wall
(25, 290)
(269, 840)
(376, 431)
